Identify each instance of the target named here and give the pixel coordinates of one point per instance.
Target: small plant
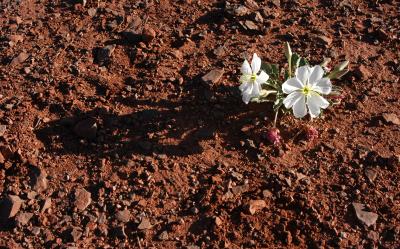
(301, 87)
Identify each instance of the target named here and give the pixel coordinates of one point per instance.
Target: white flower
(304, 91)
(251, 82)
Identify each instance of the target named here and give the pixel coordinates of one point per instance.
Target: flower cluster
(300, 87)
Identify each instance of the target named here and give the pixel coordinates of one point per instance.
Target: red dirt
(137, 128)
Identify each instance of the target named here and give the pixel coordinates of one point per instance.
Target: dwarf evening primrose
(251, 82)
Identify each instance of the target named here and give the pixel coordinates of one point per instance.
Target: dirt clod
(256, 205)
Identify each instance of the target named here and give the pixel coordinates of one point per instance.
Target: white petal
(246, 95)
(256, 90)
(303, 73)
(262, 78)
(316, 74)
(244, 86)
(323, 86)
(291, 99)
(245, 78)
(291, 85)
(255, 63)
(314, 103)
(246, 69)
(299, 108)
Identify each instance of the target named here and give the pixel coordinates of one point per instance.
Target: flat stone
(371, 174)
(391, 118)
(144, 224)
(163, 236)
(367, 218)
(256, 205)
(123, 216)
(250, 25)
(10, 206)
(213, 76)
(46, 205)
(23, 218)
(76, 234)
(40, 181)
(83, 199)
(19, 59)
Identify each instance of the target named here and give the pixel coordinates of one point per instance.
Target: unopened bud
(274, 137)
(288, 51)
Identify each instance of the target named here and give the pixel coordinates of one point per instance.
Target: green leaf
(303, 61)
(271, 69)
(295, 61)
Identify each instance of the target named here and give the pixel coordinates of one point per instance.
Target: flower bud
(274, 137)
(288, 51)
(342, 66)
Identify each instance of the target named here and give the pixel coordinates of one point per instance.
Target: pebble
(256, 205)
(213, 76)
(367, 218)
(10, 206)
(86, 128)
(371, 174)
(83, 199)
(362, 73)
(92, 12)
(76, 234)
(23, 218)
(3, 129)
(19, 59)
(391, 118)
(163, 236)
(40, 181)
(148, 34)
(103, 54)
(250, 25)
(144, 224)
(46, 205)
(123, 216)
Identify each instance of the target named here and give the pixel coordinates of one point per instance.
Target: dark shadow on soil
(171, 127)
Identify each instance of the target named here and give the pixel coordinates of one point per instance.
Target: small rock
(256, 205)
(163, 236)
(213, 76)
(240, 189)
(92, 12)
(86, 128)
(241, 11)
(23, 218)
(391, 118)
(123, 216)
(218, 222)
(10, 206)
(76, 234)
(257, 17)
(371, 174)
(102, 55)
(148, 34)
(19, 59)
(362, 73)
(144, 224)
(40, 181)
(83, 199)
(372, 235)
(46, 205)
(267, 194)
(325, 40)
(35, 231)
(250, 25)
(3, 129)
(367, 218)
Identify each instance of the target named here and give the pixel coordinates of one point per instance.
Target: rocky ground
(121, 125)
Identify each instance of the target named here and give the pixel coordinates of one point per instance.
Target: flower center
(306, 90)
(253, 77)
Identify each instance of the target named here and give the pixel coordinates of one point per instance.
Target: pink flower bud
(274, 137)
(311, 133)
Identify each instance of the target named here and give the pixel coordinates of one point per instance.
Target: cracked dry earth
(122, 126)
